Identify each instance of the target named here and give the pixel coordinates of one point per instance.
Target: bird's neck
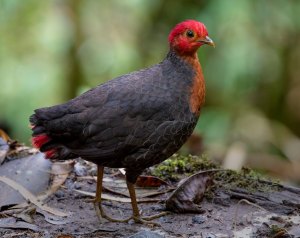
(197, 87)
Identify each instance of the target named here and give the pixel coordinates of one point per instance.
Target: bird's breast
(197, 90)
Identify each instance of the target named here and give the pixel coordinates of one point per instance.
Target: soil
(218, 219)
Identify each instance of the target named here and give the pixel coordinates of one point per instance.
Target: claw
(97, 204)
(149, 218)
(144, 222)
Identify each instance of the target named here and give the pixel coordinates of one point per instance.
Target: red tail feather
(39, 141)
(49, 153)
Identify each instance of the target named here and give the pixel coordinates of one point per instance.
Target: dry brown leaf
(62, 167)
(29, 196)
(9, 235)
(117, 199)
(4, 148)
(4, 136)
(150, 181)
(27, 214)
(189, 194)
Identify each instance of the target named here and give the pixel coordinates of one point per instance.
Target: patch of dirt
(217, 219)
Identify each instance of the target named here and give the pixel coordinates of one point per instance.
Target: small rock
(59, 194)
(206, 227)
(94, 171)
(90, 182)
(158, 208)
(289, 224)
(161, 188)
(46, 234)
(209, 235)
(198, 219)
(80, 170)
(108, 171)
(161, 219)
(77, 186)
(168, 221)
(218, 207)
(254, 230)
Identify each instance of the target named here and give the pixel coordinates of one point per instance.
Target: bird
(133, 121)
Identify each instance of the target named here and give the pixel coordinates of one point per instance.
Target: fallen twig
(237, 208)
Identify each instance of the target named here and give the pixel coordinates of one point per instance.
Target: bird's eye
(190, 34)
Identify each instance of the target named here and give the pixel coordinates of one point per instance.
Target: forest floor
(218, 220)
(275, 213)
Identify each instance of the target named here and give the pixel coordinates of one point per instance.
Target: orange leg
(136, 214)
(97, 200)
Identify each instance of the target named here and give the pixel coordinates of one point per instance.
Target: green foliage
(52, 51)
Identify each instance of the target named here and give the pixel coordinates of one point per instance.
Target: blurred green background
(52, 51)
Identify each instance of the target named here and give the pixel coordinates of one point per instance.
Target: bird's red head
(188, 36)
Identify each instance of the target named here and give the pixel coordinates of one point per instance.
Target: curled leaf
(62, 167)
(150, 181)
(27, 214)
(189, 194)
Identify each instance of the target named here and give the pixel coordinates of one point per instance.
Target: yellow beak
(207, 41)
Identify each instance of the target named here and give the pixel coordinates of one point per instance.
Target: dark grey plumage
(133, 121)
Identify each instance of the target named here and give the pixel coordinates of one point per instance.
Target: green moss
(178, 167)
(247, 179)
(273, 230)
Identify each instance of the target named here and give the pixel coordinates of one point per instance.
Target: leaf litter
(30, 197)
(189, 194)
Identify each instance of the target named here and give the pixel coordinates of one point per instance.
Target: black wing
(114, 119)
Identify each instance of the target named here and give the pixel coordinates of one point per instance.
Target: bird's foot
(100, 212)
(97, 203)
(147, 220)
(111, 219)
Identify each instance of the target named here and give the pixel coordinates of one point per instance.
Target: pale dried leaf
(119, 186)
(11, 222)
(62, 167)
(27, 214)
(29, 196)
(41, 196)
(53, 219)
(122, 170)
(117, 199)
(58, 180)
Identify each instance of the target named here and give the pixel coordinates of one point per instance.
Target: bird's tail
(39, 141)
